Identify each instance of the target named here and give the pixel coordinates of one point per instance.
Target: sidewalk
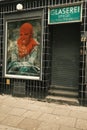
(27, 114)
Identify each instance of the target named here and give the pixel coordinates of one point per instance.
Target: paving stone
(67, 121)
(25, 114)
(17, 111)
(10, 101)
(81, 124)
(82, 109)
(62, 120)
(3, 127)
(3, 96)
(29, 124)
(33, 107)
(78, 114)
(48, 126)
(49, 118)
(68, 128)
(32, 114)
(39, 103)
(12, 120)
(62, 111)
(78, 108)
(2, 116)
(53, 105)
(5, 109)
(22, 104)
(46, 109)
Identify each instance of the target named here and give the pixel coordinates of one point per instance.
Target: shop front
(65, 56)
(53, 63)
(65, 22)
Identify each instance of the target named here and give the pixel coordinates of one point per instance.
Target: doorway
(65, 55)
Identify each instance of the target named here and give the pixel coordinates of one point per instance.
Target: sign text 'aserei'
(64, 14)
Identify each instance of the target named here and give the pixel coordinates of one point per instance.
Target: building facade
(57, 65)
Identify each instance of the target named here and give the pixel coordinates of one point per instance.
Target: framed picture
(23, 45)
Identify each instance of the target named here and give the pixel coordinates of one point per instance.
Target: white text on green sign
(65, 14)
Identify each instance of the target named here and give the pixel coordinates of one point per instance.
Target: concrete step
(63, 88)
(63, 93)
(62, 100)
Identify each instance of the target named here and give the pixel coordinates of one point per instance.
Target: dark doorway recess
(65, 55)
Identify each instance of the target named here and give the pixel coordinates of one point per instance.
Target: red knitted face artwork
(25, 42)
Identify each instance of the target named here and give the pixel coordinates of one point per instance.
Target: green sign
(64, 14)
